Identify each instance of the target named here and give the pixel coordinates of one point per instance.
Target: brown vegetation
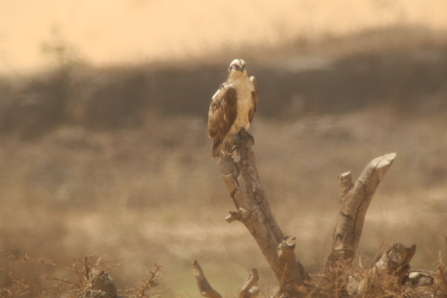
(83, 279)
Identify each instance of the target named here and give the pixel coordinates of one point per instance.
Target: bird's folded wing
(254, 98)
(222, 113)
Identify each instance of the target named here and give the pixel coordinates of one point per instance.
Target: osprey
(232, 106)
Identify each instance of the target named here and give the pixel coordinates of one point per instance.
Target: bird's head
(237, 68)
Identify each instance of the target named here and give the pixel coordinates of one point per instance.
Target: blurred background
(103, 128)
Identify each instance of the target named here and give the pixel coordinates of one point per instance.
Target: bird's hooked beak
(241, 68)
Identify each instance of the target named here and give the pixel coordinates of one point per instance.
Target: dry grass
(155, 195)
(84, 278)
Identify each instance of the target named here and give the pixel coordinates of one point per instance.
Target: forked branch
(387, 275)
(353, 206)
(355, 199)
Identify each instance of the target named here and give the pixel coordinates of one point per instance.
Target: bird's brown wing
(221, 116)
(254, 98)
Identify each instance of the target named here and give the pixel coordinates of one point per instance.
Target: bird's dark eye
(236, 67)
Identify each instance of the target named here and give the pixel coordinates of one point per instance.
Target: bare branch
(250, 288)
(345, 182)
(243, 183)
(235, 215)
(354, 205)
(205, 288)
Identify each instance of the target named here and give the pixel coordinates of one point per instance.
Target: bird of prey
(232, 106)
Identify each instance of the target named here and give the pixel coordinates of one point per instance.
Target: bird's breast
(244, 88)
(244, 105)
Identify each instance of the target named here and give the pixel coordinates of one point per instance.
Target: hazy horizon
(133, 31)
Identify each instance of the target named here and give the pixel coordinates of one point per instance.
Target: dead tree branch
(387, 275)
(353, 206)
(354, 203)
(250, 288)
(253, 210)
(205, 289)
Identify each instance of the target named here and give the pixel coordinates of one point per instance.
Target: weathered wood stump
(389, 276)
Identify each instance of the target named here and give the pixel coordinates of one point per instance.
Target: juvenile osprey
(232, 106)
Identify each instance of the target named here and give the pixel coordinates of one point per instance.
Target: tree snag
(354, 203)
(249, 289)
(355, 199)
(389, 276)
(205, 289)
(253, 210)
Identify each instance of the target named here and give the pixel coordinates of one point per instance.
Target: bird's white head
(237, 69)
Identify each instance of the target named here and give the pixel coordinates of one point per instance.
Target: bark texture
(353, 206)
(205, 288)
(355, 199)
(253, 210)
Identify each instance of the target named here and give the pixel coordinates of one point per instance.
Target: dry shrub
(86, 278)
